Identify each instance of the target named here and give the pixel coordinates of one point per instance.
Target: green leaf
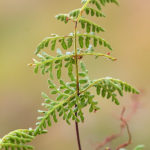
(74, 13)
(91, 109)
(101, 41)
(82, 74)
(53, 44)
(81, 41)
(95, 12)
(63, 44)
(72, 84)
(59, 97)
(52, 85)
(103, 92)
(54, 92)
(54, 117)
(49, 121)
(87, 42)
(93, 28)
(96, 3)
(92, 12)
(62, 17)
(87, 10)
(58, 73)
(88, 27)
(98, 90)
(36, 69)
(83, 81)
(69, 42)
(95, 42)
(102, 2)
(82, 24)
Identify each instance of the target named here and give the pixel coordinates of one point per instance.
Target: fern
(73, 96)
(17, 140)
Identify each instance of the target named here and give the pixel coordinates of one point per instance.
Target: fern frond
(53, 107)
(90, 25)
(66, 17)
(107, 87)
(75, 13)
(96, 3)
(96, 39)
(65, 41)
(93, 12)
(17, 140)
(103, 2)
(47, 62)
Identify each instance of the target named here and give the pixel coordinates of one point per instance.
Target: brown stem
(78, 135)
(77, 83)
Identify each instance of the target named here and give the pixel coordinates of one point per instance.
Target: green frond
(109, 87)
(96, 39)
(90, 26)
(17, 139)
(46, 62)
(63, 17)
(67, 17)
(61, 107)
(96, 3)
(103, 2)
(74, 13)
(93, 12)
(65, 41)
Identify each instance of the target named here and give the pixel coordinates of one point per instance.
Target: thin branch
(124, 123)
(114, 136)
(77, 83)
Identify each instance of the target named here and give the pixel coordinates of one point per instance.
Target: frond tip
(17, 140)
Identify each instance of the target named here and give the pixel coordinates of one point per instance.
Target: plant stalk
(77, 83)
(78, 135)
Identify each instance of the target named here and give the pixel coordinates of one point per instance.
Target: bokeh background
(24, 23)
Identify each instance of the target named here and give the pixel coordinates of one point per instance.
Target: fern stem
(78, 135)
(77, 83)
(76, 57)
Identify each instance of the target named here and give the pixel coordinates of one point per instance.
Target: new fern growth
(73, 96)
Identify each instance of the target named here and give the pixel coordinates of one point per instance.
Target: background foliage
(23, 25)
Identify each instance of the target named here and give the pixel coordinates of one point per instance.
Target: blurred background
(24, 23)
